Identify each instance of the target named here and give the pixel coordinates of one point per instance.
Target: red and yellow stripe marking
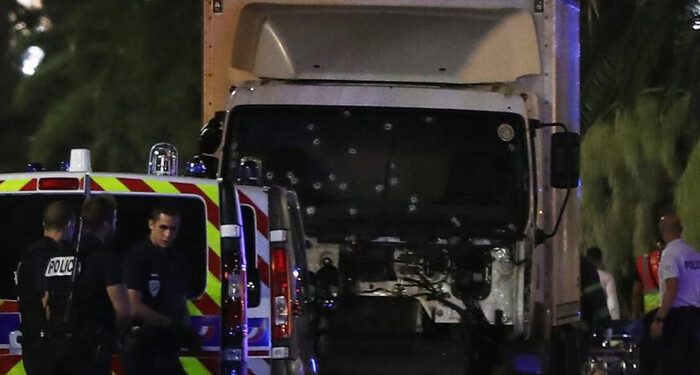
(200, 366)
(208, 303)
(11, 365)
(8, 306)
(261, 219)
(20, 184)
(262, 223)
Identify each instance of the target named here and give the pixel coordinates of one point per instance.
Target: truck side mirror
(211, 134)
(565, 160)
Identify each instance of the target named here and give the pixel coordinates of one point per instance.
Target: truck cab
(433, 149)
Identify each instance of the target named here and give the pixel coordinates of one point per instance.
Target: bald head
(670, 227)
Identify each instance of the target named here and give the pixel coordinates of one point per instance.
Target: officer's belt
(686, 308)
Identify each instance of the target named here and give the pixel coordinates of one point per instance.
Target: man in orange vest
(645, 293)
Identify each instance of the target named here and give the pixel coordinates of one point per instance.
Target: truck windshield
(369, 172)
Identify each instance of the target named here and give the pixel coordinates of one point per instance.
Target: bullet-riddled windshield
(416, 174)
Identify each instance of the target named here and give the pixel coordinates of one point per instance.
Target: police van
(226, 230)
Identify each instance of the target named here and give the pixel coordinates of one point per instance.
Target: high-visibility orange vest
(648, 271)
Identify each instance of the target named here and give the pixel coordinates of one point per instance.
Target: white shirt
(682, 261)
(607, 280)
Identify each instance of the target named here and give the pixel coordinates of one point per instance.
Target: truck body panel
(231, 57)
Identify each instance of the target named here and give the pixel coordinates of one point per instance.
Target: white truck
(422, 140)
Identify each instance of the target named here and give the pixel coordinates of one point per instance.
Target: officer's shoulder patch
(60, 266)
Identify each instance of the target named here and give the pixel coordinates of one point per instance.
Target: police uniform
(82, 339)
(594, 313)
(160, 278)
(94, 327)
(30, 289)
(681, 329)
(594, 306)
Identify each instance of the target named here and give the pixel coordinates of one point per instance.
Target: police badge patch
(153, 287)
(60, 266)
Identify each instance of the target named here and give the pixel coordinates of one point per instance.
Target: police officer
(154, 274)
(87, 302)
(678, 319)
(594, 313)
(607, 281)
(59, 227)
(594, 307)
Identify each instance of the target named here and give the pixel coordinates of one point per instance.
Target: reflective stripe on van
(259, 323)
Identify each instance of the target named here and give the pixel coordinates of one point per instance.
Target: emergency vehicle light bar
(35, 167)
(162, 160)
(196, 168)
(59, 183)
(79, 160)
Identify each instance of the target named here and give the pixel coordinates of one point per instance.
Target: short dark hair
(671, 222)
(595, 255)
(57, 215)
(166, 209)
(97, 210)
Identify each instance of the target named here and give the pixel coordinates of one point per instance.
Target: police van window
(20, 226)
(248, 217)
(132, 227)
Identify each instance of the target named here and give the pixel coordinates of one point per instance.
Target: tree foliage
(630, 165)
(119, 75)
(629, 46)
(640, 95)
(688, 199)
(15, 22)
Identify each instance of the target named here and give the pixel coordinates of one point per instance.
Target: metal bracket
(230, 231)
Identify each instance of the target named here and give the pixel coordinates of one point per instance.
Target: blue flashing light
(63, 166)
(314, 367)
(196, 168)
(528, 364)
(35, 167)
